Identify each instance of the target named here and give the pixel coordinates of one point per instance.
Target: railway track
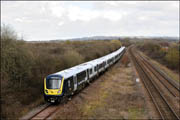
(168, 83)
(45, 113)
(49, 110)
(163, 105)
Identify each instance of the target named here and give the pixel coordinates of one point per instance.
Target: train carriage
(69, 81)
(94, 67)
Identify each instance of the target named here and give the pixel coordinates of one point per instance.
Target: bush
(163, 52)
(24, 66)
(15, 60)
(172, 58)
(72, 58)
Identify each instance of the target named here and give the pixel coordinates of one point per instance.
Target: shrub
(72, 58)
(172, 58)
(15, 60)
(24, 66)
(163, 52)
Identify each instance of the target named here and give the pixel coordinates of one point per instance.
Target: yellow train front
(53, 88)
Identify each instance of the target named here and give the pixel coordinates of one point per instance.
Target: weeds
(24, 66)
(163, 52)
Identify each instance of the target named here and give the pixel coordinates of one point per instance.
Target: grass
(24, 66)
(90, 106)
(113, 97)
(166, 53)
(135, 112)
(169, 72)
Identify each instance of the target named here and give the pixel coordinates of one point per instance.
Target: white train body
(73, 79)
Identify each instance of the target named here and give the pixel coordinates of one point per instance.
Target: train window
(81, 76)
(70, 78)
(90, 71)
(101, 65)
(109, 60)
(53, 83)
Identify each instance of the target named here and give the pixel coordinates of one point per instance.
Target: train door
(88, 74)
(97, 68)
(71, 84)
(94, 71)
(88, 71)
(75, 82)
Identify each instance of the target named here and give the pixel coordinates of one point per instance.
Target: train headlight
(58, 91)
(46, 91)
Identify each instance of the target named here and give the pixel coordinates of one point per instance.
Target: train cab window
(53, 83)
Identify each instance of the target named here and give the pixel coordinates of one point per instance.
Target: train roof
(71, 71)
(84, 66)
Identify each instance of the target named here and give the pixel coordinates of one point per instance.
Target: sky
(50, 20)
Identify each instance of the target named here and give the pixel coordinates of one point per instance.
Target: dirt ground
(116, 94)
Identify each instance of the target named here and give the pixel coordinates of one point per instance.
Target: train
(69, 81)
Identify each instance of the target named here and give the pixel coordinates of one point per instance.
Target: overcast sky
(44, 20)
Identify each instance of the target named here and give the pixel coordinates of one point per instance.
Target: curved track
(163, 104)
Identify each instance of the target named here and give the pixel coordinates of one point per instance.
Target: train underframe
(53, 98)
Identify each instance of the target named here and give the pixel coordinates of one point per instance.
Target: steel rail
(142, 70)
(171, 81)
(151, 68)
(39, 112)
(142, 78)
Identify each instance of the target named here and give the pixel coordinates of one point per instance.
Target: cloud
(56, 8)
(19, 20)
(60, 23)
(76, 13)
(39, 20)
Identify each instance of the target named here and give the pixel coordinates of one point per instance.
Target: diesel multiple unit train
(67, 82)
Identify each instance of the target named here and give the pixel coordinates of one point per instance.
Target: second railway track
(163, 105)
(168, 83)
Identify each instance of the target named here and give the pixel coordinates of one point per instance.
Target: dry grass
(169, 72)
(112, 96)
(166, 53)
(25, 65)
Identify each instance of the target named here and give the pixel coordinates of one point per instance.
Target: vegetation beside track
(114, 95)
(158, 86)
(25, 64)
(166, 53)
(172, 74)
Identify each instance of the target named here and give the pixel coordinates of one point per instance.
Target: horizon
(89, 38)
